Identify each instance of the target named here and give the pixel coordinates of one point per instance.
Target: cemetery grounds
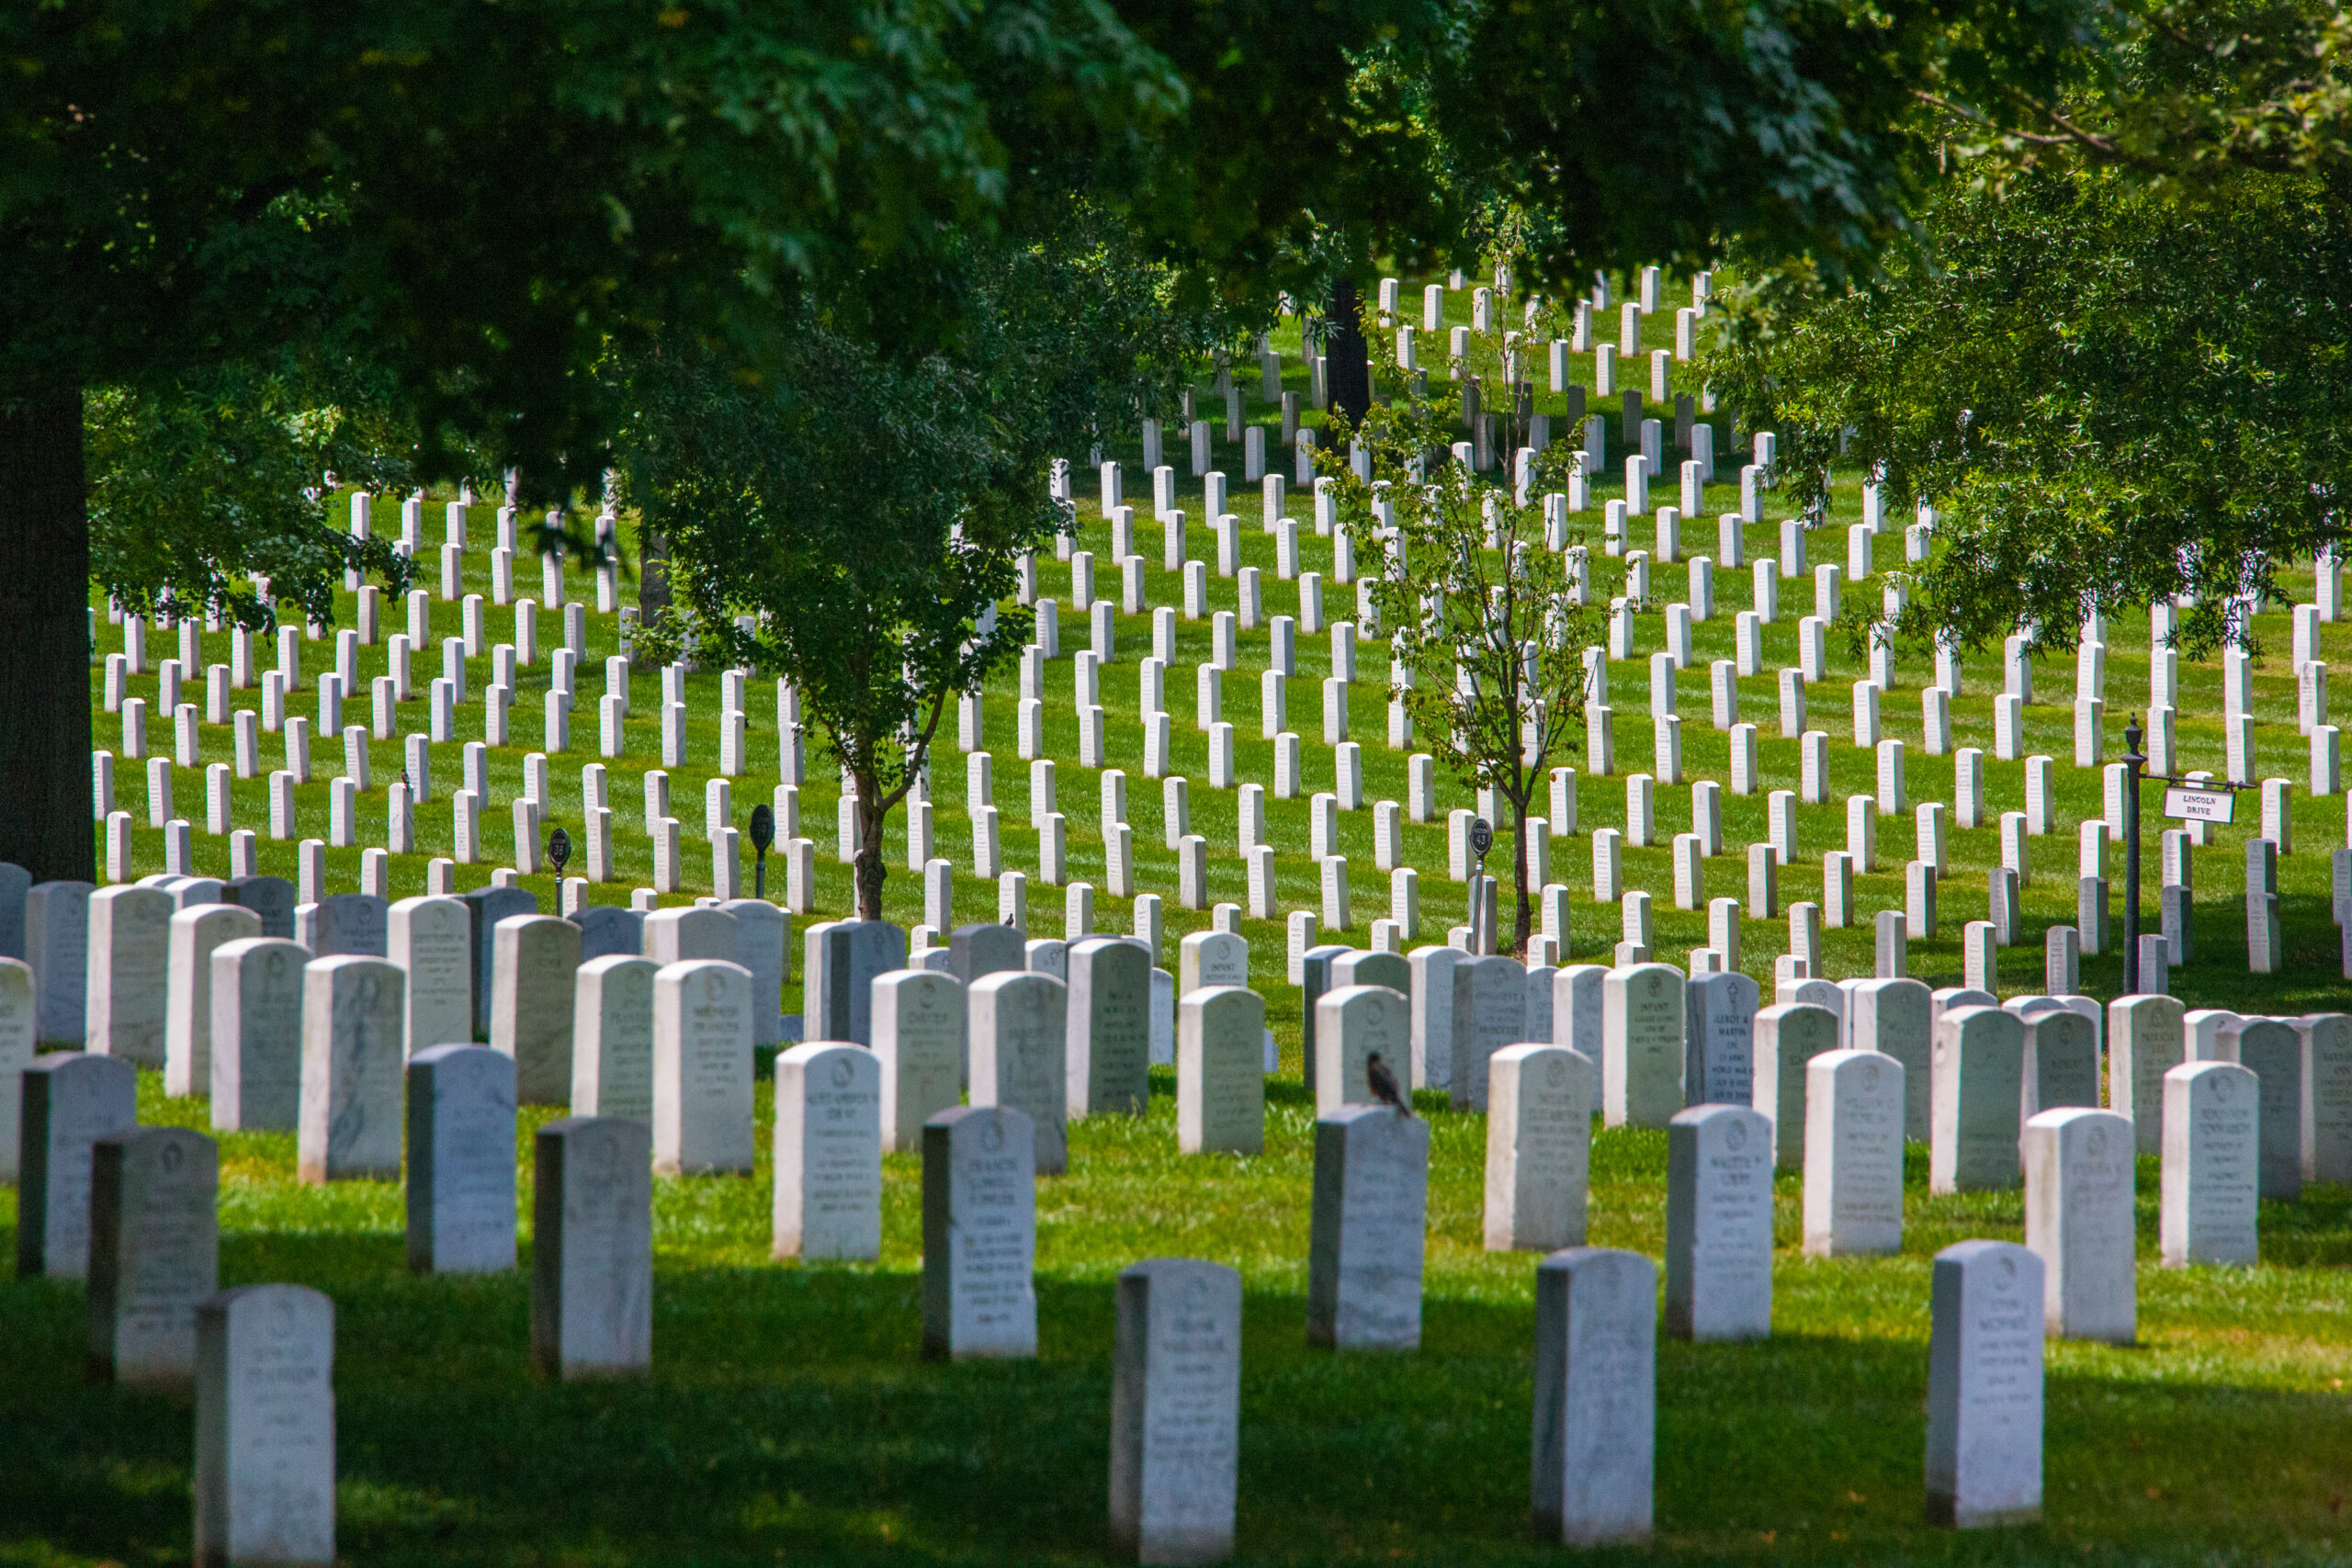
(789, 1416)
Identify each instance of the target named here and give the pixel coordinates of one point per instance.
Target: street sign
(1482, 838)
(2200, 805)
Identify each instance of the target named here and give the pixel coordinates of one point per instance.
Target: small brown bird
(1383, 1084)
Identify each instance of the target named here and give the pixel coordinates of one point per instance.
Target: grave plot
(1821, 1033)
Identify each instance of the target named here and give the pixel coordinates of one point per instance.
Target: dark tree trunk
(871, 868)
(1346, 372)
(45, 823)
(1523, 924)
(652, 574)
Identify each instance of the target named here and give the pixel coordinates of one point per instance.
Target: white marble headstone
(980, 1231)
(829, 1151)
(1539, 1147)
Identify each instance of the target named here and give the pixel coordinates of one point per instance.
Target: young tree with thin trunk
(868, 511)
(1477, 598)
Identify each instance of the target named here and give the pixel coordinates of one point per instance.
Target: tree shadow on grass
(790, 1418)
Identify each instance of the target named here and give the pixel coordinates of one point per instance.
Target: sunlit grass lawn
(789, 1416)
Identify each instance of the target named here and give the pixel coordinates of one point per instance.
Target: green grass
(789, 1417)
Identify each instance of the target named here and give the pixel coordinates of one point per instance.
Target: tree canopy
(2109, 399)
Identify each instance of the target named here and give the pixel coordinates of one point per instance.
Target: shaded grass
(789, 1416)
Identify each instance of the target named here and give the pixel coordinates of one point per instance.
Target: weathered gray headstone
(1357, 966)
(1642, 1040)
(702, 1069)
(1432, 993)
(195, 933)
(57, 946)
(1539, 1147)
(1719, 1223)
(265, 1427)
(1979, 1079)
(829, 1151)
(342, 923)
(1109, 1027)
(1853, 1154)
(1719, 1025)
(1596, 1396)
(16, 882)
(1215, 958)
(592, 1248)
(535, 974)
(271, 898)
(918, 1029)
(1020, 1045)
(762, 945)
(19, 1014)
(674, 936)
(2146, 1040)
(1176, 1411)
(1578, 1008)
(129, 986)
(352, 1058)
(842, 959)
(1367, 1234)
(1985, 1380)
(1788, 1036)
(1896, 1018)
(460, 1160)
(2061, 1063)
(611, 1037)
(979, 1229)
(485, 908)
(155, 1252)
(1351, 1025)
(1490, 1012)
(1315, 978)
(2274, 1051)
(431, 940)
(977, 951)
(2327, 1096)
(607, 928)
(1220, 1074)
(2211, 1200)
(257, 1036)
(71, 1101)
(2078, 1221)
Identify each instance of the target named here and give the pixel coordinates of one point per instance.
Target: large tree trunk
(652, 574)
(45, 823)
(1346, 372)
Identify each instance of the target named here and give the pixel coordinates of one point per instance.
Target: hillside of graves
(1201, 753)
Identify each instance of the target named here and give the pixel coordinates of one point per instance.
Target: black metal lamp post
(762, 835)
(1482, 839)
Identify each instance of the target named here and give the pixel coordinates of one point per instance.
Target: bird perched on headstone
(1383, 1085)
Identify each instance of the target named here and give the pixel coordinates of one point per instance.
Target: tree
(2111, 399)
(871, 533)
(2179, 95)
(184, 188)
(199, 486)
(1475, 597)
